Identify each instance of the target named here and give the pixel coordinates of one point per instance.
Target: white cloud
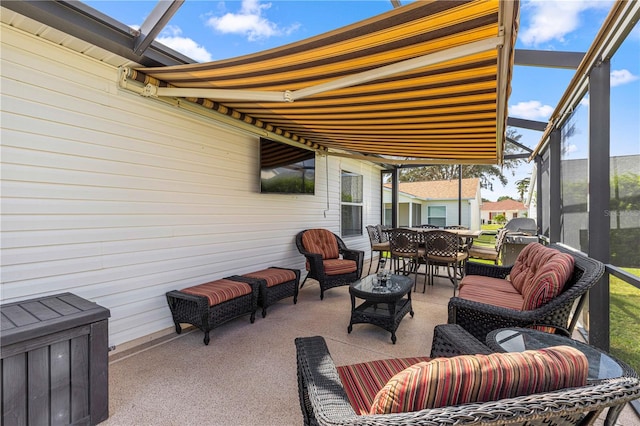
(531, 110)
(554, 19)
(249, 21)
(620, 77)
(171, 36)
(570, 148)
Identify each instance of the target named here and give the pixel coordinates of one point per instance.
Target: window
(437, 215)
(351, 204)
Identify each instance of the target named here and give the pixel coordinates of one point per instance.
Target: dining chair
(467, 241)
(427, 226)
(377, 245)
(443, 248)
(406, 247)
(489, 253)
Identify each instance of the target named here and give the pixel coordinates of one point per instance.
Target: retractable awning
(423, 83)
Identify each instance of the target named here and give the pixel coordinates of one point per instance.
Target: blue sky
(212, 30)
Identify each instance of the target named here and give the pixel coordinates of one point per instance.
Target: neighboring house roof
(440, 189)
(502, 206)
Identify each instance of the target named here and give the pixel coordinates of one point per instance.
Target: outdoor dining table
(464, 233)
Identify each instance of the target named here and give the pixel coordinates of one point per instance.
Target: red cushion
(548, 281)
(495, 284)
(505, 299)
(463, 379)
(321, 241)
(339, 266)
(362, 381)
(529, 260)
(273, 276)
(219, 291)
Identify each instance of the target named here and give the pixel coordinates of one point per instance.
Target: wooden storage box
(54, 354)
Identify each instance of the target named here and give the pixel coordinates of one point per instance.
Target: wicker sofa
(487, 300)
(324, 400)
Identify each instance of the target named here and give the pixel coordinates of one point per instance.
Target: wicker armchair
(480, 318)
(323, 399)
(322, 262)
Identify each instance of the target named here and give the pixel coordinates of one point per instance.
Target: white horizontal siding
(120, 198)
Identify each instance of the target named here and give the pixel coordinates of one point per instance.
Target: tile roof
(440, 189)
(504, 205)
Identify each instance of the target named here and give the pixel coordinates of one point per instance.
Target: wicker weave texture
(316, 266)
(195, 310)
(324, 402)
(481, 318)
(269, 295)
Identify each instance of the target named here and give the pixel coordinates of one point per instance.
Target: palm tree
(522, 185)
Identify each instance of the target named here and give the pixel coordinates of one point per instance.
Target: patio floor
(247, 374)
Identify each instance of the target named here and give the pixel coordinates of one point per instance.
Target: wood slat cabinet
(54, 355)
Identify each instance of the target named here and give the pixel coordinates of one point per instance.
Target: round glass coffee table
(601, 364)
(385, 303)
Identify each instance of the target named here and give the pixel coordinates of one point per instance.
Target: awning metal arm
(352, 80)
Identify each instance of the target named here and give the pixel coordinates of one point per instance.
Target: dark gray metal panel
(394, 197)
(526, 124)
(519, 145)
(599, 196)
(544, 199)
(460, 194)
(555, 193)
(79, 20)
(155, 22)
(539, 217)
(516, 156)
(548, 58)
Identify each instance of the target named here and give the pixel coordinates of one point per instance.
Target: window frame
(353, 230)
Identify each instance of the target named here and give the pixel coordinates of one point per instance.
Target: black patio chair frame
(316, 266)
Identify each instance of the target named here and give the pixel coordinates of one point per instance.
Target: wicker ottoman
(276, 284)
(208, 305)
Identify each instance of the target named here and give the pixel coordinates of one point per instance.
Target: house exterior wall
(470, 209)
(488, 215)
(119, 198)
(451, 209)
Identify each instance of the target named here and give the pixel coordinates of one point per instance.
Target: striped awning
(423, 83)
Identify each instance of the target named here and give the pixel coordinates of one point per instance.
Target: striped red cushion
(219, 291)
(362, 381)
(339, 266)
(495, 284)
(505, 299)
(529, 260)
(321, 241)
(273, 276)
(548, 281)
(462, 379)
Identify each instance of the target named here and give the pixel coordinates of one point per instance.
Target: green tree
(487, 173)
(499, 218)
(505, 197)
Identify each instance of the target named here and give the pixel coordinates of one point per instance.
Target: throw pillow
(548, 282)
(444, 382)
